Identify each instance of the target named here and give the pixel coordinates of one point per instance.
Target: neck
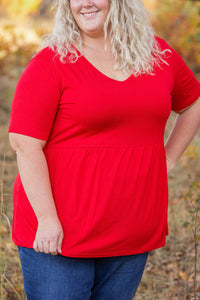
(96, 43)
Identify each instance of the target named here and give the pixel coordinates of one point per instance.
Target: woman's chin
(93, 31)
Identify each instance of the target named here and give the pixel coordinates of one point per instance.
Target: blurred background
(172, 272)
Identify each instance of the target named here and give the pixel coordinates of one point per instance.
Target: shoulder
(42, 63)
(165, 45)
(41, 68)
(45, 55)
(162, 43)
(52, 56)
(173, 56)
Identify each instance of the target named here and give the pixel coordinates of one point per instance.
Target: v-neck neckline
(99, 72)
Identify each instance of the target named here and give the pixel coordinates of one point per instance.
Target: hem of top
(102, 254)
(103, 146)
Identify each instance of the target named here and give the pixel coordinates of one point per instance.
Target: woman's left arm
(184, 129)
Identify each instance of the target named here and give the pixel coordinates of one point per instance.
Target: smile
(90, 14)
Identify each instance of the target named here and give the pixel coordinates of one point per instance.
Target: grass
(9, 269)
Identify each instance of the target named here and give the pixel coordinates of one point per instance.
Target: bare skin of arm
(34, 175)
(185, 126)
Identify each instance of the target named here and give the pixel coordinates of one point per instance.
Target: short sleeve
(186, 88)
(36, 97)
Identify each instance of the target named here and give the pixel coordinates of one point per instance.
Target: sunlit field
(172, 272)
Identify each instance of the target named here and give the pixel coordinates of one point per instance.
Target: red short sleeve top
(105, 151)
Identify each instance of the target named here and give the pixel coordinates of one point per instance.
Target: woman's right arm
(34, 175)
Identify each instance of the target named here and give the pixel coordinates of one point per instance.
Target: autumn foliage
(176, 21)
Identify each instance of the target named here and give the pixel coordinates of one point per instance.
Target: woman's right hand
(49, 236)
(35, 178)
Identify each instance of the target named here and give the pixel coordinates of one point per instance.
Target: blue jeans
(57, 277)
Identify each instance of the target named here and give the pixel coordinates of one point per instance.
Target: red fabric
(105, 151)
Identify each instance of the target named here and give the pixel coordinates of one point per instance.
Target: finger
(46, 246)
(40, 246)
(35, 246)
(53, 247)
(60, 239)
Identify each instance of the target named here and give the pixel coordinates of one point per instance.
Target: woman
(87, 124)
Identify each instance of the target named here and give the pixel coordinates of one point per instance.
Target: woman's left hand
(170, 165)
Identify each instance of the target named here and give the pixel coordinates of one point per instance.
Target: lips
(90, 13)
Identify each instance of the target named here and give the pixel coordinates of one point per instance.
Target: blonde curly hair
(132, 36)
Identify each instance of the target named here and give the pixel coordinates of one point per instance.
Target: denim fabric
(49, 277)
